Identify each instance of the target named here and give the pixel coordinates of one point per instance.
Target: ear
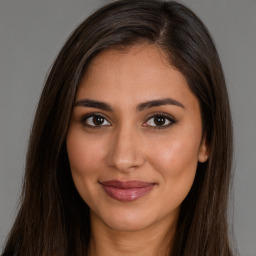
(203, 152)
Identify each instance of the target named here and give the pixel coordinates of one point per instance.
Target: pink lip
(126, 190)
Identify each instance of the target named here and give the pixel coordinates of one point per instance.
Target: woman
(131, 147)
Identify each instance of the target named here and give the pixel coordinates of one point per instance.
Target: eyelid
(162, 114)
(92, 114)
(152, 115)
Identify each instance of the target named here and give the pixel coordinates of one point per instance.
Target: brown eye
(95, 120)
(98, 120)
(159, 121)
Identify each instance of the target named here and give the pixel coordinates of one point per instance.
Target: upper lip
(126, 184)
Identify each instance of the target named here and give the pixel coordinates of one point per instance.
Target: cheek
(175, 156)
(177, 170)
(83, 153)
(85, 158)
(175, 159)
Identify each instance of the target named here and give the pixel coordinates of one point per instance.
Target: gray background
(31, 34)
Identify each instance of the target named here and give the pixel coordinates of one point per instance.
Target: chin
(129, 224)
(125, 220)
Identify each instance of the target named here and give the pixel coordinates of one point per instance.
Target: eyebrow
(142, 106)
(160, 102)
(93, 104)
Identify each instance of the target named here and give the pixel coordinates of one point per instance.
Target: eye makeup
(157, 120)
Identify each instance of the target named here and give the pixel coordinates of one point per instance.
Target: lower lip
(127, 194)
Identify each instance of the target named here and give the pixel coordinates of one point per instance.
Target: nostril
(123, 165)
(125, 160)
(125, 151)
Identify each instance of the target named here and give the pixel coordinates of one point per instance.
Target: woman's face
(135, 138)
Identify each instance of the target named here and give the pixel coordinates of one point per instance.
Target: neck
(151, 241)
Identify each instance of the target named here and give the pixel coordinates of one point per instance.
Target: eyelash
(165, 116)
(92, 115)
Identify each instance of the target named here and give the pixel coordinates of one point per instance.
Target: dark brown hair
(53, 219)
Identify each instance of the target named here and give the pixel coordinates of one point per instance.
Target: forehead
(138, 73)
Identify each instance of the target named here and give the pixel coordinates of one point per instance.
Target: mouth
(126, 190)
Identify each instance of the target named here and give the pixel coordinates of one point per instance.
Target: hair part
(53, 219)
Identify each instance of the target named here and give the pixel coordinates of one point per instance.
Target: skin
(130, 145)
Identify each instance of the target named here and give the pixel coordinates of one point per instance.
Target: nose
(126, 150)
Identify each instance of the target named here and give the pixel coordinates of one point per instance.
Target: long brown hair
(53, 219)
